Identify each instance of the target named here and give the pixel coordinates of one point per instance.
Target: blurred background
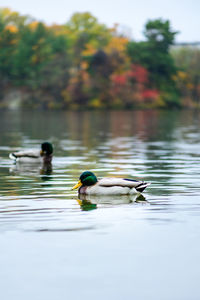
(100, 55)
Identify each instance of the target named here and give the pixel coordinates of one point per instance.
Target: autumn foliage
(83, 64)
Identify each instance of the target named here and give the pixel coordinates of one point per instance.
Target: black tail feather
(142, 186)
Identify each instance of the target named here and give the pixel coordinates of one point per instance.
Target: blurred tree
(154, 55)
(10, 24)
(187, 61)
(159, 34)
(41, 63)
(100, 69)
(85, 31)
(33, 51)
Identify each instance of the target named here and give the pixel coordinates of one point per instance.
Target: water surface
(56, 246)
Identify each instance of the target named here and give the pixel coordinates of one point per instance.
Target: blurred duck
(89, 185)
(44, 155)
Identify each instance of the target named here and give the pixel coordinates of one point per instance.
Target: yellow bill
(77, 185)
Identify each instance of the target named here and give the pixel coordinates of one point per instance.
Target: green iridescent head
(88, 178)
(47, 148)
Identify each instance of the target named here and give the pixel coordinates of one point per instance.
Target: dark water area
(57, 246)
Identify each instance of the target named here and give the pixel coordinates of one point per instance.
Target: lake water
(57, 246)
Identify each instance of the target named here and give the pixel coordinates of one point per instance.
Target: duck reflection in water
(86, 205)
(90, 202)
(26, 169)
(46, 171)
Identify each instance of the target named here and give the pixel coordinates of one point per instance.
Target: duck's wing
(28, 153)
(112, 181)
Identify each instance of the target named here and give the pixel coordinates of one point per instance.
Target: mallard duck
(89, 185)
(44, 155)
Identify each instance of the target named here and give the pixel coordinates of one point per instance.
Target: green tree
(159, 34)
(154, 55)
(84, 29)
(32, 53)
